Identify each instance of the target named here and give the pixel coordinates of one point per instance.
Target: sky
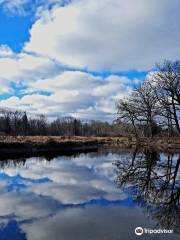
(78, 57)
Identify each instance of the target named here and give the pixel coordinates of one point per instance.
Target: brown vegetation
(62, 143)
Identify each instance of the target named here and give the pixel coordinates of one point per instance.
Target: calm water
(93, 196)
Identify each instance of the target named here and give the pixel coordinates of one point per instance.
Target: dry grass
(58, 139)
(120, 141)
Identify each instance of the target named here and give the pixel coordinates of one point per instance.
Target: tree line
(153, 108)
(13, 122)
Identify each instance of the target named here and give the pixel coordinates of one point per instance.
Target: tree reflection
(153, 180)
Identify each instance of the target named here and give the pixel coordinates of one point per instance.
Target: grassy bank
(162, 144)
(38, 144)
(43, 144)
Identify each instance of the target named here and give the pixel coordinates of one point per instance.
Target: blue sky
(17, 19)
(79, 57)
(14, 30)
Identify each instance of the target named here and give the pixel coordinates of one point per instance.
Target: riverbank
(161, 144)
(43, 144)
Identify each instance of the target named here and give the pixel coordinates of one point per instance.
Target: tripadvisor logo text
(140, 231)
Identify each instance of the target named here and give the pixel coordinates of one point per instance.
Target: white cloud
(23, 68)
(75, 93)
(97, 35)
(5, 51)
(69, 80)
(109, 34)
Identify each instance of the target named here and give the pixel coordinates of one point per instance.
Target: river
(101, 195)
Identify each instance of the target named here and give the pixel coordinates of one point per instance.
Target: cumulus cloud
(74, 93)
(47, 87)
(53, 73)
(68, 80)
(23, 68)
(109, 34)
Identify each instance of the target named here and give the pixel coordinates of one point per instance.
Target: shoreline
(43, 145)
(10, 145)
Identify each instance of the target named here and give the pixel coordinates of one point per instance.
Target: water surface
(92, 196)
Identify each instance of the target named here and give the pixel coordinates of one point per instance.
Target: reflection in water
(75, 198)
(153, 180)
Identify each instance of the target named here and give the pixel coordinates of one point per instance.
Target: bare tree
(154, 106)
(127, 112)
(147, 108)
(167, 89)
